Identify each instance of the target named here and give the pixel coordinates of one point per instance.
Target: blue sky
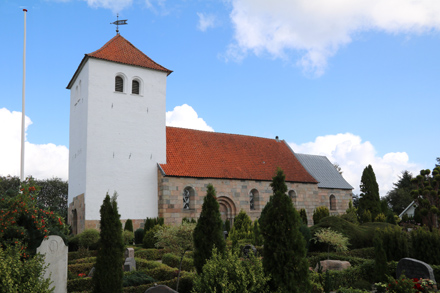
(357, 81)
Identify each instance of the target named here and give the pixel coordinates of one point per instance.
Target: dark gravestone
(413, 268)
(247, 248)
(160, 289)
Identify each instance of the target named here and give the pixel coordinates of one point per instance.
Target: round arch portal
(228, 210)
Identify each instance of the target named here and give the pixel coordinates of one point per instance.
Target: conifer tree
(380, 261)
(208, 232)
(128, 225)
(108, 268)
(284, 246)
(242, 228)
(303, 216)
(369, 198)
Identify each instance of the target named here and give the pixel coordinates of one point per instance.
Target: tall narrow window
(188, 198)
(253, 199)
(135, 87)
(292, 195)
(119, 84)
(332, 202)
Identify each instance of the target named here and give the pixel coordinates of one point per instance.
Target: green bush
(150, 253)
(128, 237)
(173, 260)
(128, 225)
(380, 218)
(242, 228)
(74, 255)
(425, 245)
(185, 283)
(73, 242)
(79, 285)
(229, 273)
(136, 278)
(21, 275)
(303, 216)
(143, 264)
(150, 239)
(80, 268)
(163, 273)
(366, 216)
(320, 213)
(151, 222)
(395, 242)
(380, 261)
(139, 236)
(91, 259)
(88, 238)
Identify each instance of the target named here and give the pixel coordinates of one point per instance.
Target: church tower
(117, 133)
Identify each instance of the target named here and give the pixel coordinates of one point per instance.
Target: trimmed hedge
(79, 285)
(81, 268)
(143, 264)
(162, 273)
(185, 284)
(91, 259)
(74, 255)
(150, 253)
(173, 261)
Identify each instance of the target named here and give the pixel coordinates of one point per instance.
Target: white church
(119, 143)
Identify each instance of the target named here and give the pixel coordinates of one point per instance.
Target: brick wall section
(171, 196)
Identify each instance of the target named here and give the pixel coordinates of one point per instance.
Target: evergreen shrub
(150, 238)
(128, 225)
(380, 218)
(143, 264)
(74, 255)
(88, 238)
(395, 242)
(128, 237)
(139, 236)
(150, 253)
(303, 216)
(79, 285)
(320, 213)
(151, 222)
(242, 228)
(136, 278)
(163, 273)
(173, 261)
(90, 259)
(425, 245)
(380, 261)
(80, 268)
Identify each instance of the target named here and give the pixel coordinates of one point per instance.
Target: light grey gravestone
(129, 252)
(55, 256)
(129, 264)
(413, 268)
(160, 289)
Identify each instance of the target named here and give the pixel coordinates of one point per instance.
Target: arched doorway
(227, 209)
(74, 222)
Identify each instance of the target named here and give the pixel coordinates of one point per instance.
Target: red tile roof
(203, 154)
(118, 49)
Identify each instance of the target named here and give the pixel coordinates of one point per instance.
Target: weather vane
(118, 23)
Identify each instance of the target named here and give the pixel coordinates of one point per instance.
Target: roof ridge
(234, 134)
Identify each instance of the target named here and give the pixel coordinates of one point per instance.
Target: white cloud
(206, 21)
(184, 116)
(114, 5)
(41, 160)
(319, 28)
(353, 155)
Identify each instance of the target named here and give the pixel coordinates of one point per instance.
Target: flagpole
(23, 100)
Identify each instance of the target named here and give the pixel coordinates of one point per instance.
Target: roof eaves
(300, 161)
(78, 70)
(161, 170)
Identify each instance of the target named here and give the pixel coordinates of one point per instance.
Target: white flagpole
(23, 100)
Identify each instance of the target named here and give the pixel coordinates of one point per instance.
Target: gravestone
(160, 289)
(92, 271)
(413, 268)
(333, 265)
(247, 248)
(129, 264)
(129, 252)
(55, 256)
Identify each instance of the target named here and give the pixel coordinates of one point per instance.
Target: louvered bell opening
(135, 87)
(119, 84)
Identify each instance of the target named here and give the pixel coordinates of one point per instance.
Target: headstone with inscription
(55, 256)
(413, 268)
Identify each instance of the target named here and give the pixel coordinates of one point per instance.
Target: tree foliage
(369, 197)
(242, 228)
(284, 247)
(426, 194)
(400, 196)
(128, 225)
(52, 194)
(332, 238)
(229, 273)
(23, 219)
(380, 260)
(109, 261)
(208, 232)
(303, 216)
(320, 213)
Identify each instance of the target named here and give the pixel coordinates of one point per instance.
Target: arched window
(135, 87)
(332, 202)
(119, 84)
(292, 195)
(188, 198)
(253, 199)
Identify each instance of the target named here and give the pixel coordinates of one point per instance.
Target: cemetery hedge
(173, 260)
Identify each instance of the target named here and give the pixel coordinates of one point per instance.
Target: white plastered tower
(117, 135)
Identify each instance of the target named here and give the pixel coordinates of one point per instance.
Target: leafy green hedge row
(91, 259)
(173, 260)
(78, 255)
(142, 264)
(81, 268)
(315, 257)
(162, 273)
(79, 285)
(150, 253)
(185, 284)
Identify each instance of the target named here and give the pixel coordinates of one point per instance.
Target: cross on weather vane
(118, 23)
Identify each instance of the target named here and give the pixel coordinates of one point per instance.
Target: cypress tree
(303, 216)
(369, 198)
(128, 225)
(380, 260)
(109, 261)
(284, 246)
(208, 232)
